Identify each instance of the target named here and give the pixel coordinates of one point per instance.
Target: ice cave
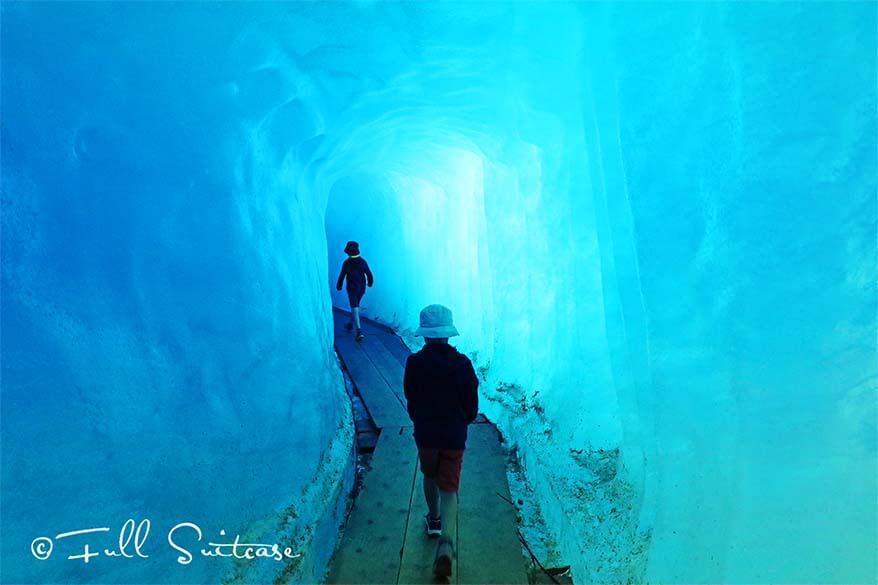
(655, 224)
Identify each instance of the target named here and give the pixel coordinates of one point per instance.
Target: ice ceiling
(655, 224)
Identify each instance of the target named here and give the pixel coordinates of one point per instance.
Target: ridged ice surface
(655, 224)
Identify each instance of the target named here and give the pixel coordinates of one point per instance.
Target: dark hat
(352, 249)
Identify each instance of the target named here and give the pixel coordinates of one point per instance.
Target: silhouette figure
(356, 270)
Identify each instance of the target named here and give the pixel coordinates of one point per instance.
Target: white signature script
(133, 536)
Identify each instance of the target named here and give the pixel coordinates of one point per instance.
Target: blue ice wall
(755, 241)
(165, 350)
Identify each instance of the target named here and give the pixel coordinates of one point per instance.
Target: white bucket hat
(436, 322)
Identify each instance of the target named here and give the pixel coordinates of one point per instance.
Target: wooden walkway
(384, 539)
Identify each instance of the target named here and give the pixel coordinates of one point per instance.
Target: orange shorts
(442, 466)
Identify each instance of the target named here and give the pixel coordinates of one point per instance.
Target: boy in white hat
(441, 391)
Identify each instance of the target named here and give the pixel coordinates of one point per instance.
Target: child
(358, 274)
(441, 390)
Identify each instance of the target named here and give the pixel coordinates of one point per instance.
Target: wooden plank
(489, 550)
(370, 548)
(342, 316)
(383, 405)
(397, 348)
(395, 345)
(388, 366)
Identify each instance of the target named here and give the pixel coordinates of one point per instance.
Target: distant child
(441, 390)
(358, 274)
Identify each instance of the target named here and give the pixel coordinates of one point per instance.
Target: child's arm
(368, 273)
(408, 386)
(341, 275)
(470, 390)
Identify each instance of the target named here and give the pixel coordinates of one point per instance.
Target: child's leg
(431, 494)
(445, 548)
(449, 515)
(354, 302)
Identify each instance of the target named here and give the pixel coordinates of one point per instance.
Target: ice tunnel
(655, 224)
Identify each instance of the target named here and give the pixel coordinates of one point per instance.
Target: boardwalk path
(384, 539)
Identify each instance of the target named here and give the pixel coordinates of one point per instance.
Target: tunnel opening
(423, 226)
(364, 208)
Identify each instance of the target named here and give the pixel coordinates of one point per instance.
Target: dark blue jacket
(441, 391)
(357, 271)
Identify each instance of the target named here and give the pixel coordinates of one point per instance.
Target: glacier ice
(655, 223)
(164, 354)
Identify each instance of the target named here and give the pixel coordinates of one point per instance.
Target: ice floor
(656, 225)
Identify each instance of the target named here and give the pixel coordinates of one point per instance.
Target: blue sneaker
(434, 525)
